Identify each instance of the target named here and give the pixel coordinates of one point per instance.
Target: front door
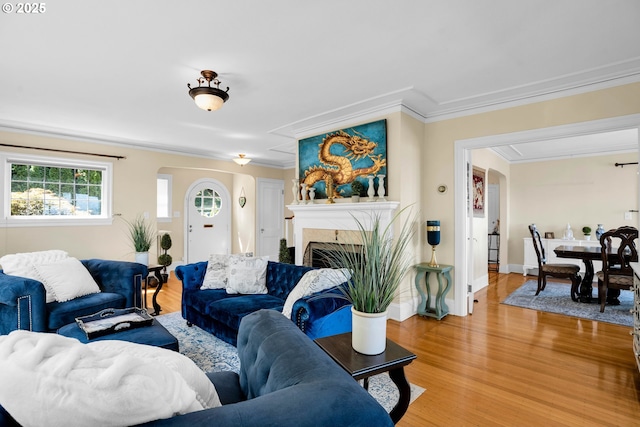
(208, 227)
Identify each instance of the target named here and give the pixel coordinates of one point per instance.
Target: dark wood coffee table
(361, 367)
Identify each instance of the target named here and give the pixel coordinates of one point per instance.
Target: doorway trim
(185, 215)
(463, 152)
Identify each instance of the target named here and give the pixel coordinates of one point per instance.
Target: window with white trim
(163, 199)
(55, 191)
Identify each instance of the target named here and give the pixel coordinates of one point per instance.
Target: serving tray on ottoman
(112, 320)
(155, 335)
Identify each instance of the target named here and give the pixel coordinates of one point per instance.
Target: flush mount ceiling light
(208, 97)
(241, 159)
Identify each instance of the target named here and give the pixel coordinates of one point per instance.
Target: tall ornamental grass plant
(141, 234)
(377, 265)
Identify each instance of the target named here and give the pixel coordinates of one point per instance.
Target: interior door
(208, 220)
(270, 217)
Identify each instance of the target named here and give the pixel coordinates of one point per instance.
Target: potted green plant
(586, 230)
(165, 259)
(377, 262)
(284, 255)
(356, 190)
(141, 234)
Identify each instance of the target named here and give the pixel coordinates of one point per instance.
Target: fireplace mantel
(337, 216)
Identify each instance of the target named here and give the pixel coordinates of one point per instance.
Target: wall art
(478, 192)
(342, 156)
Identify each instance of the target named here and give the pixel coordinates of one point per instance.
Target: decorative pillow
(23, 265)
(314, 281)
(106, 383)
(247, 275)
(68, 278)
(217, 272)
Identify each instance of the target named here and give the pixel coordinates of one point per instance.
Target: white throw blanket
(48, 379)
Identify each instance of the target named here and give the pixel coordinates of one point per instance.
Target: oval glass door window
(208, 202)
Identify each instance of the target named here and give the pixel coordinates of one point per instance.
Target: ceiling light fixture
(241, 159)
(207, 97)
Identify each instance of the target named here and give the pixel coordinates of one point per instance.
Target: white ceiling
(117, 71)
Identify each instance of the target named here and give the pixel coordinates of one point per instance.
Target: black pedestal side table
(157, 272)
(361, 367)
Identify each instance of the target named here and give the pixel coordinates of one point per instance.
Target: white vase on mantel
(368, 332)
(296, 192)
(142, 258)
(371, 191)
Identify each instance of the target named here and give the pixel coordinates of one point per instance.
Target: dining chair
(561, 271)
(618, 249)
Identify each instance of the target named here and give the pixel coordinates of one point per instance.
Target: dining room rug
(212, 354)
(556, 298)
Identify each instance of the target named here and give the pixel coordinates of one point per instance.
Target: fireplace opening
(321, 254)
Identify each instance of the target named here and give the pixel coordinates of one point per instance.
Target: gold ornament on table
(433, 237)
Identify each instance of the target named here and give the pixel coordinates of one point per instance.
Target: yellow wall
(134, 192)
(440, 137)
(420, 155)
(580, 191)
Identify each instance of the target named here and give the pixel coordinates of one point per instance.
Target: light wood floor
(508, 366)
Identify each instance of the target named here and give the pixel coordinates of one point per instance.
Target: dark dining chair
(618, 250)
(561, 271)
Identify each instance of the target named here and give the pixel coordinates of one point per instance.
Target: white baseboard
(407, 309)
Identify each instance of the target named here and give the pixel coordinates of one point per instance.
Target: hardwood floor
(508, 366)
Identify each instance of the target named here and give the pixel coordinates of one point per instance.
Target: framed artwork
(478, 193)
(344, 156)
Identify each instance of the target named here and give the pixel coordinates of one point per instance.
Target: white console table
(531, 260)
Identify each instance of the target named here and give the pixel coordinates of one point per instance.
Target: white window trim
(169, 179)
(6, 220)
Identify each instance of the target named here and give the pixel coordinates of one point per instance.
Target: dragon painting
(339, 167)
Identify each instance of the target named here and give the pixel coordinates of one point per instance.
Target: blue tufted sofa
(285, 380)
(220, 313)
(23, 304)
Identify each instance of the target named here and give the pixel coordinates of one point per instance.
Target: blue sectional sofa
(23, 304)
(220, 313)
(285, 380)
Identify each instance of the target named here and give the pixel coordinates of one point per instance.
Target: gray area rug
(212, 354)
(556, 298)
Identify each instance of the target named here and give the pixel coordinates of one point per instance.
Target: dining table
(588, 254)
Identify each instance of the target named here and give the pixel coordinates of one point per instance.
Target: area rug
(212, 354)
(556, 298)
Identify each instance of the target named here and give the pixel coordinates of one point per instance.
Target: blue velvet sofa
(220, 313)
(23, 304)
(285, 380)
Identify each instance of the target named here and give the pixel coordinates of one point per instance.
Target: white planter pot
(369, 332)
(142, 258)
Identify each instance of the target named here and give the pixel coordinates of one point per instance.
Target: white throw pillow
(314, 281)
(23, 265)
(68, 278)
(247, 275)
(217, 272)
